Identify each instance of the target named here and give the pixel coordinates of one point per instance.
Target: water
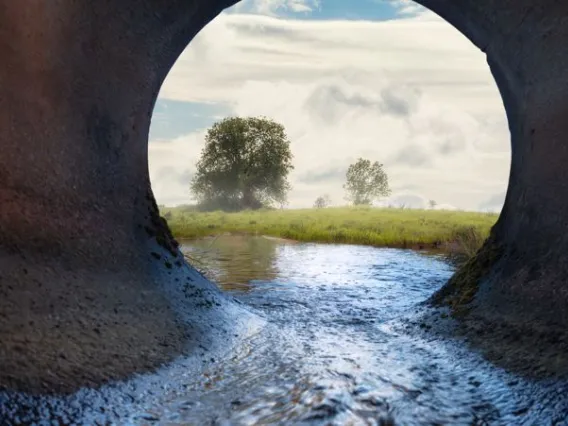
(337, 350)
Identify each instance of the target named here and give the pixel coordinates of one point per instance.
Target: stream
(336, 349)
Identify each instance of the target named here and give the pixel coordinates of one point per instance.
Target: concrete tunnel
(92, 285)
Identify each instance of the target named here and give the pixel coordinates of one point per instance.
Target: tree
(366, 182)
(322, 202)
(432, 204)
(244, 164)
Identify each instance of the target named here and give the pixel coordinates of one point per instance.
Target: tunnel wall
(92, 287)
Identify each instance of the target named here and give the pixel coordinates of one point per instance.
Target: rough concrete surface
(87, 292)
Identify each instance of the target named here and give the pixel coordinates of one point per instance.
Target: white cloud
(172, 163)
(410, 8)
(275, 7)
(446, 207)
(407, 8)
(412, 93)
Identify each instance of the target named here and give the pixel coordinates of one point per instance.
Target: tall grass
(453, 231)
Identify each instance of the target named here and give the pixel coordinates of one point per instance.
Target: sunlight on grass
(464, 231)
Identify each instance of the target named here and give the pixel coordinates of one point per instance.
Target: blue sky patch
(368, 10)
(172, 119)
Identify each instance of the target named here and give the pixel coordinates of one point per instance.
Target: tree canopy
(244, 165)
(366, 182)
(322, 202)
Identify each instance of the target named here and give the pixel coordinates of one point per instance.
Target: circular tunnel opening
(408, 90)
(393, 83)
(81, 234)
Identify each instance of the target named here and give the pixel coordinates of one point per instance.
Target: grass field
(461, 232)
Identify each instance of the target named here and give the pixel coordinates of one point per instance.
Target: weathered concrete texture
(525, 43)
(92, 287)
(86, 284)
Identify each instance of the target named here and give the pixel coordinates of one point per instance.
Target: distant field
(452, 230)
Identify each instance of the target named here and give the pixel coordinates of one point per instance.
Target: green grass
(454, 231)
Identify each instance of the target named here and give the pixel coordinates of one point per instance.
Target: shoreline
(449, 247)
(457, 234)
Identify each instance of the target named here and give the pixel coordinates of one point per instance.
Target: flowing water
(336, 349)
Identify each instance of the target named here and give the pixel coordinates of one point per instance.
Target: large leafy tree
(244, 165)
(366, 182)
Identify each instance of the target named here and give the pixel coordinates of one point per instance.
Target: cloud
(234, 49)
(172, 165)
(412, 155)
(275, 7)
(326, 175)
(330, 101)
(494, 203)
(399, 100)
(411, 201)
(411, 93)
(445, 207)
(405, 187)
(410, 8)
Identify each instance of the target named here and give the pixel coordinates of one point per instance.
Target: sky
(385, 80)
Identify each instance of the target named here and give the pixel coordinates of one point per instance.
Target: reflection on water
(335, 353)
(235, 262)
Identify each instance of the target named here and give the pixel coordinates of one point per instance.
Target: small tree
(244, 164)
(322, 202)
(432, 204)
(366, 182)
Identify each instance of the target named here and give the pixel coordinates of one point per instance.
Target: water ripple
(337, 350)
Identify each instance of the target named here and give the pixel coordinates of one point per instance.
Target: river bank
(454, 232)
